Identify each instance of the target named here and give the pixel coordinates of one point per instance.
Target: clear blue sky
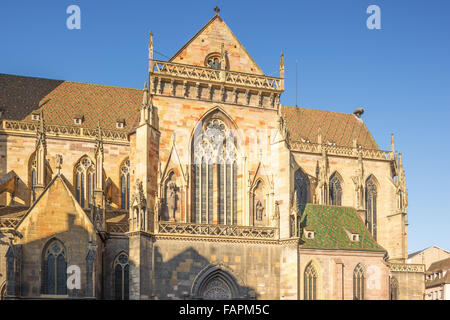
(399, 74)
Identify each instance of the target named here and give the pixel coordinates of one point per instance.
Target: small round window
(213, 61)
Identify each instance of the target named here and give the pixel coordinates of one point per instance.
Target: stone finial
(217, 10)
(145, 95)
(150, 46)
(59, 162)
(40, 131)
(392, 143)
(282, 65)
(98, 140)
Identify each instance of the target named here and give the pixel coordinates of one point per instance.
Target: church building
(200, 186)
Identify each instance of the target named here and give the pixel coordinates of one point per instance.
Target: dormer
(35, 116)
(120, 123)
(78, 119)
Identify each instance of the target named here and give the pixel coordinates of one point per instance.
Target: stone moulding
(217, 230)
(232, 78)
(9, 223)
(266, 91)
(108, 135)
(403, 267)
(373, 154)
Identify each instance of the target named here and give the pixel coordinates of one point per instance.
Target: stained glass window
(84, 182)
(121, 277)
(310, 283)
(358, 283)
(54, 276)
(125, 185)
(371, 206)
(215, 174)
(335, 190)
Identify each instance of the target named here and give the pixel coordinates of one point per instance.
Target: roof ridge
(69, 81)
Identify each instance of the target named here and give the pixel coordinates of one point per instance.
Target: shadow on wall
(191, 276)
(76, 243)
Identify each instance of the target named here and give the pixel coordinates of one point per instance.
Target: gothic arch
(335, 186)
(83, 180)
(32, 175)
(215, 162)
(394, 289)
(259, 202)
(372, 188)
(359, 282)
(124, 178)
(215, 282)
(312, 281)
(121, 276)
(54, 262)
(3, 291)
(302, 186)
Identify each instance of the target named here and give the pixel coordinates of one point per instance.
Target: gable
(209, 40)
(55, 212)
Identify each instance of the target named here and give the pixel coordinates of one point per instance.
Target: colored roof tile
(338, 128)
(332, 226)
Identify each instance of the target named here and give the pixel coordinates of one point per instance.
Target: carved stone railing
(404, 267)
(117, 227)
(58, 130)
(335, 150)
(197, 73)
(9, 222)
(249, 232)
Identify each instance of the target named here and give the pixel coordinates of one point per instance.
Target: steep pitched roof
(216, 32)
(332, 226)
(339, 128)
(62, 100)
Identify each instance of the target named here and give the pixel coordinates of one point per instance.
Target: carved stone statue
(259, 211)
(172, 199)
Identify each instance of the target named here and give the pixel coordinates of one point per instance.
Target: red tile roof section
(336, 127)
(62, 100)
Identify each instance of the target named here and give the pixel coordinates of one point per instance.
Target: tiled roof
(338, 128)
(332, 226)
(62, 100)
(440, 265)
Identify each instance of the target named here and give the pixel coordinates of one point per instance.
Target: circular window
(213, 60)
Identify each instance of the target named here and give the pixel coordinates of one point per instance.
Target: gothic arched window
(358, 283)
(125, 184)
(310, 283)
(214, 174)
(84, 182)
(301, 185)
(335, 191)
(54, 269)
(394, 289)
(371, 206)
(121, 277)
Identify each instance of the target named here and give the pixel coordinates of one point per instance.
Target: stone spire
(150, 47)
(282, 70)
(392, 144)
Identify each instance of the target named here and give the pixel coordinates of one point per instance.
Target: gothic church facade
(201, 186)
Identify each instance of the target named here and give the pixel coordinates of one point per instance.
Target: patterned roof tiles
(61, 101)
(338, 128)
(332, 226)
